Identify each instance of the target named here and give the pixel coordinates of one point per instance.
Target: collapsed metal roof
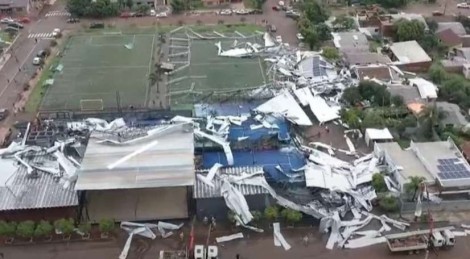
(42, 190)
(161, 157)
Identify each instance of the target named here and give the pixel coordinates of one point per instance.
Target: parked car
(153, 12)
(11, 29)
(292, 14)
(161, 15)
(276, 8)
(463, 6)
(279, 39)
(271, 28)
(42, 53)
(6, 20)
(125, 15)
(3, 113)
(24, 20)
(37, 61)
(16, 25)
(225, 12)
(299, 36)
(73, 20)
(256, 11)
(56, 33)
(97, 25)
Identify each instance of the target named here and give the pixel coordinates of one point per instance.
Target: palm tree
(428, 118)
(412, 186)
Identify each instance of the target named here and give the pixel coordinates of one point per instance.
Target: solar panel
(452, 168)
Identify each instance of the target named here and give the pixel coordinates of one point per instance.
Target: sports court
(99, 71)
(202, 72)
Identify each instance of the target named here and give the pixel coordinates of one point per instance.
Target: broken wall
(138, 204)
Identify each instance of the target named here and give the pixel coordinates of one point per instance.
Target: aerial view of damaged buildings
(367, 135)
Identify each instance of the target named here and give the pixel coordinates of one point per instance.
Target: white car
(37, 61)
(279, 39)
(225, 12)
(56, 33)
(6, 20)
(299, 36)
(153, 12)
(161, 15)
(463, 6)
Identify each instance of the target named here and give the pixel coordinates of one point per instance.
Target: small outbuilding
(377, 135)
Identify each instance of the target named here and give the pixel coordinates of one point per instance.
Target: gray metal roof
(456, 27)
(409, 52)
(202, 190)
(22, 191)
(169, 162)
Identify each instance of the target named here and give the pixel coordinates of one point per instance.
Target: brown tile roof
(449, 38)
(381, 73)
(465, 147)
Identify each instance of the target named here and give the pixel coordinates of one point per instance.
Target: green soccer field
(208, 73)
(97, 67)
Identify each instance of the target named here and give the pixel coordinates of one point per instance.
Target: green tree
(129, 3)
(77, 7)
(330, 53)
(7, 229)
(378, 183)
(352, 117)
(377, 94)
(257, 216)
(43, 229)
(323, 31)
(142, 8)
(389, 204)
(351, 96)
(177, 6)
(291, 216)
(432, 24)
(106, 225)
(344, 23)
(437, 74)
(85, 228)
(315, 12)
(256, 4)
(409, 30)
(65, 226)
(102, 9)
(372, 119)
(412, 186)
(25, 229)
(397, 100)
(271, 213)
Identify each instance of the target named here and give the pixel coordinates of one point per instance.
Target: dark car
(97, 25)
(42, 53)
(16, 25)
(256, 11)
(3, 114)
(73, 20)
(11, 29)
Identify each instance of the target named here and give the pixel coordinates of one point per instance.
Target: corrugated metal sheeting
(202, 190)
(23, 191)
(167, 163)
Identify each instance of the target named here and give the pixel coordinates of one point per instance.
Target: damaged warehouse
(274, 144)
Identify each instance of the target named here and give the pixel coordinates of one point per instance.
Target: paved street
(18, 70)
(256, 246)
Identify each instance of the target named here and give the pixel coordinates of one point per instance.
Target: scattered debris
(229, 238)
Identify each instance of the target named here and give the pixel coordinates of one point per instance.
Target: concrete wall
(217, 208)
(416, 67)
(451, 206)
(50, 214)
(137, 204)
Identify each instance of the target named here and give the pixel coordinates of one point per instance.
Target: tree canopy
(344, 23)
(409, 30)
(95, 9)
(387, 3)
(330, 53)
(378, 183)
(315, 12)
(177, 6)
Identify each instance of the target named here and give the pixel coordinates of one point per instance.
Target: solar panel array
(318, 67)
(452, 168)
